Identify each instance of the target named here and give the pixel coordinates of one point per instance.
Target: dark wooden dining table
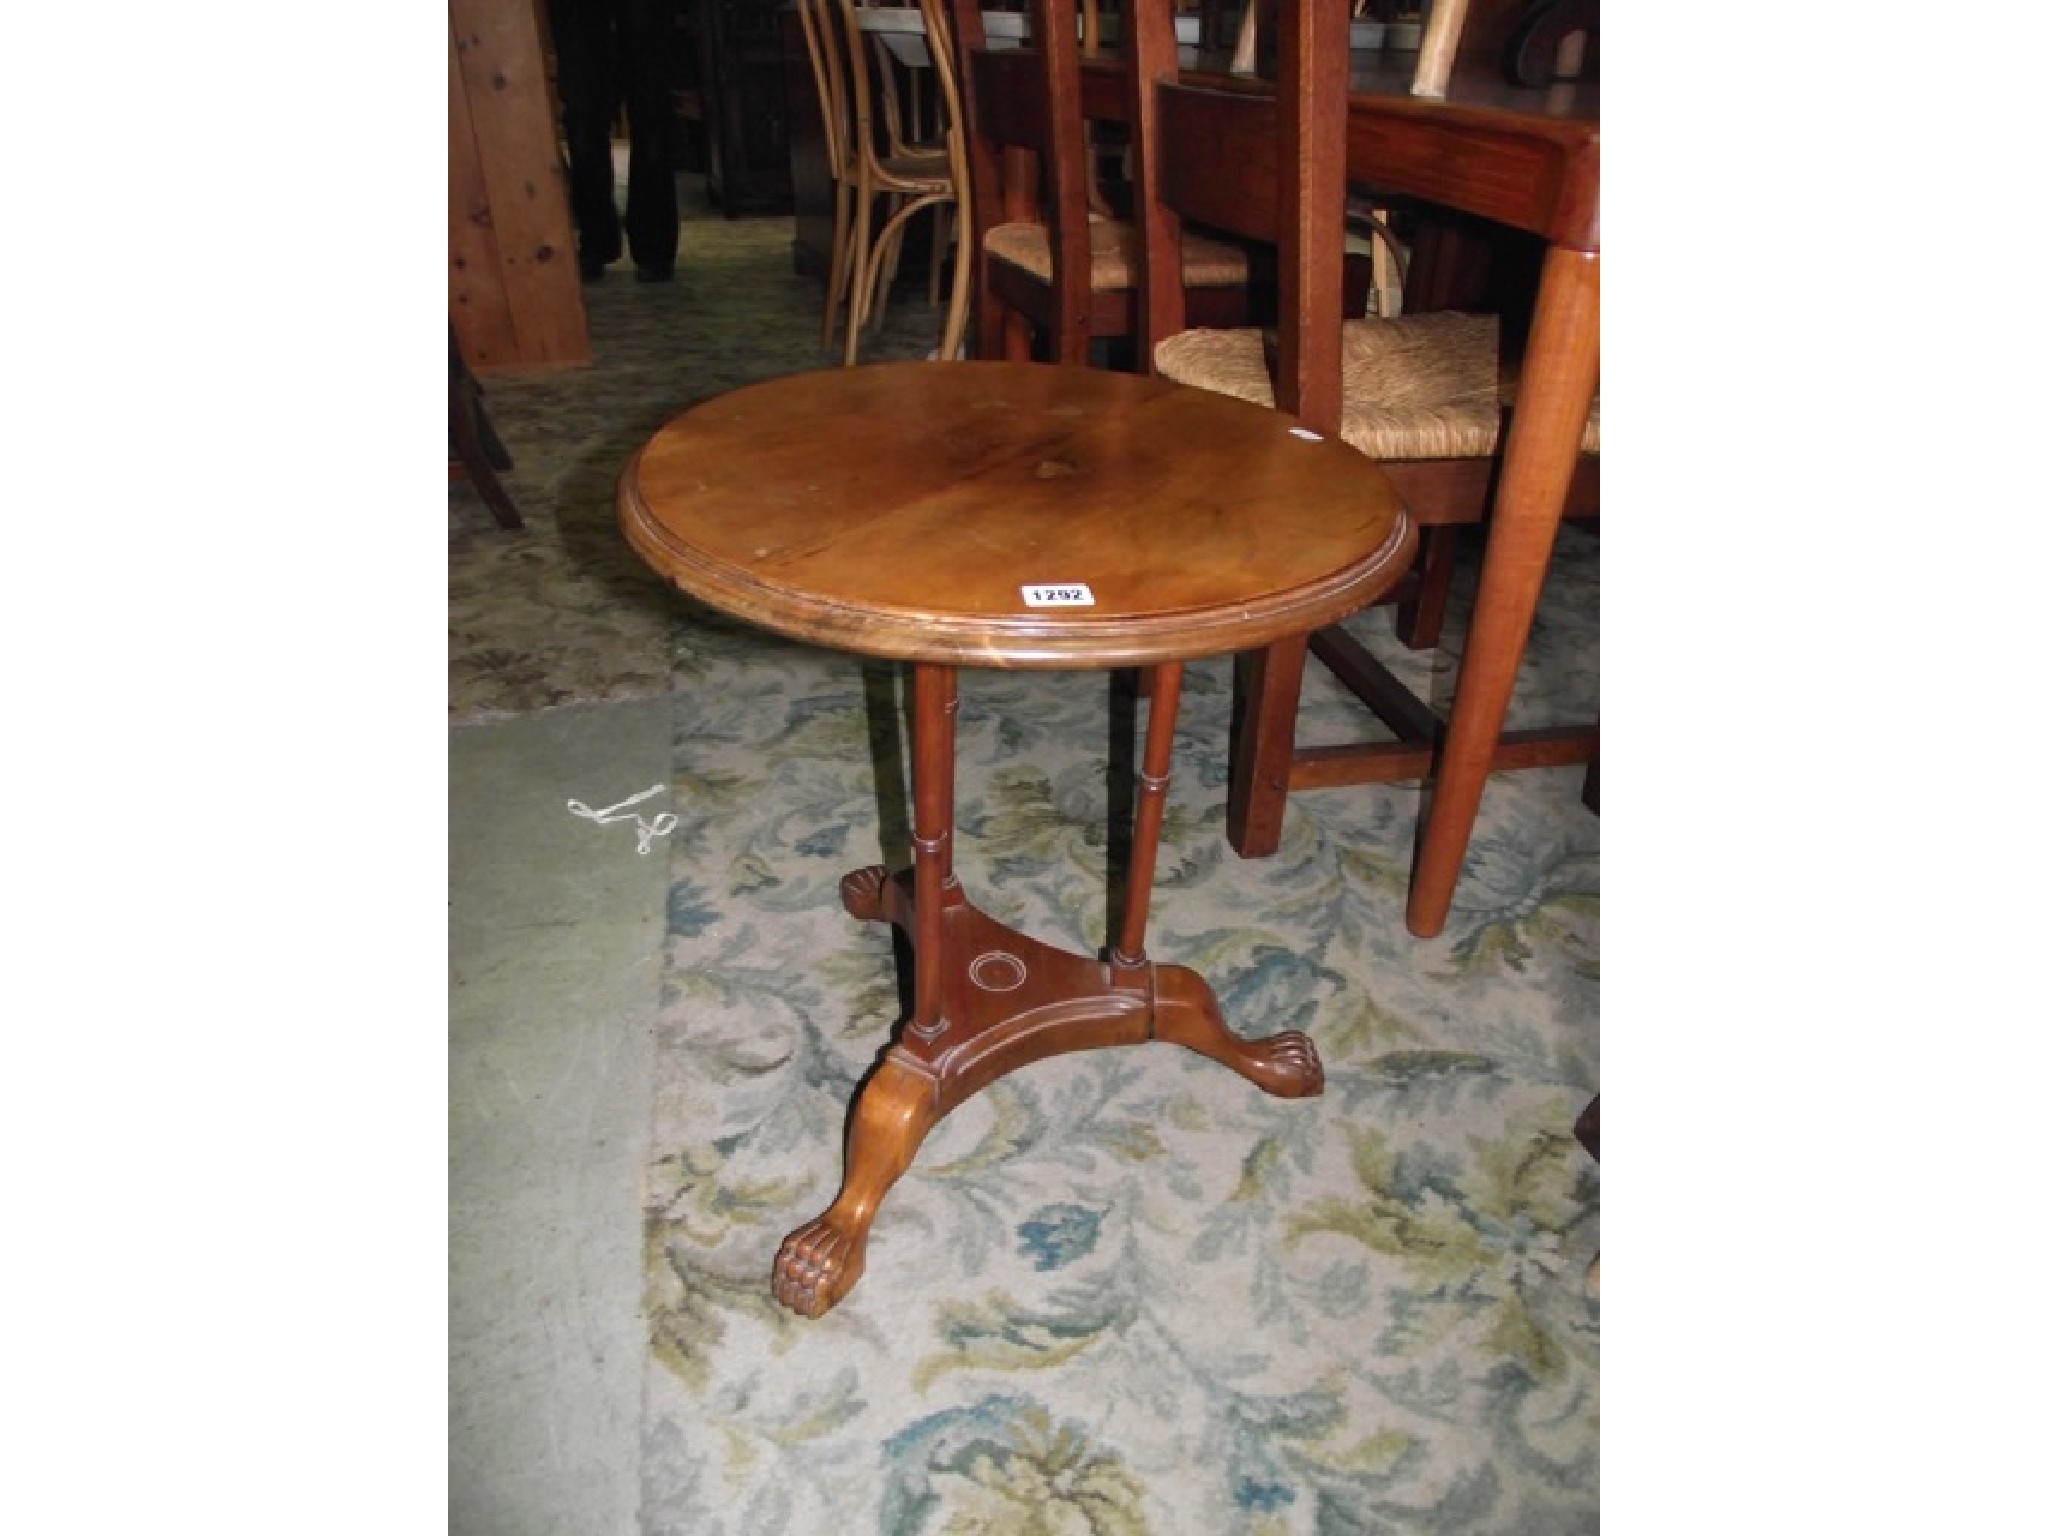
(1529, 159)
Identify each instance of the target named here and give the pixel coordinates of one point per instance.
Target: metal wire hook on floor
(663, 823)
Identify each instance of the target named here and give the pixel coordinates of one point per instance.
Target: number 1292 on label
(1072, 594)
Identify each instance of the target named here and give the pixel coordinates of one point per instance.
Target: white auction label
(1071, 594)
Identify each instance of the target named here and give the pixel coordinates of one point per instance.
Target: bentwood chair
(1422, 393)
(876, 164)
(1050, 277)
(835, 114)
(918, 110)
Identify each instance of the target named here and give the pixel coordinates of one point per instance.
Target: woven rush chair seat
(1113, 259)
(1426, 395)
(1422, 386)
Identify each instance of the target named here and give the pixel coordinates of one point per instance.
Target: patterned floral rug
(1119, 1292)
(565, 613)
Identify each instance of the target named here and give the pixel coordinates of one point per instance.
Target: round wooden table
(1009, 515)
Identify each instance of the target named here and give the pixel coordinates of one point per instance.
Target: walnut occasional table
(1009, 515)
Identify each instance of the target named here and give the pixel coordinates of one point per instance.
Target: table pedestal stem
(935, 708)
(1153, 778)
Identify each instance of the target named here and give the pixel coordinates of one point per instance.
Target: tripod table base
(1006, 1000)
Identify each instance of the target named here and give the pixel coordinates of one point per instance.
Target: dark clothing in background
(609, 52)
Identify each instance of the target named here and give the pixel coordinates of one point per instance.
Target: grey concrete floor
(555, 928)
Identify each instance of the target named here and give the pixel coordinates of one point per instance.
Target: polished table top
(955, 512)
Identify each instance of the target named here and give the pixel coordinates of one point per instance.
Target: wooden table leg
(1162, 688)
(1184, 1009)
(935, 707)
(990, 999)
(1559, 374)
(899, 1104)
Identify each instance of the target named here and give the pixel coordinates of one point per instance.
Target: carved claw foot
(861, 892)
(819, 1262)
(1285, 1065)
(817, 1265)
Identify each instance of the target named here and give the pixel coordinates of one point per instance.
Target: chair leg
(942, 229)
(988, 319)
(885, 267)
(881, 260)
(857, 293)
(842, 238)
(1262, 748)
(492, 490)
(1560, 371)
(955, 334)
(995, 323)
(887, 256)
(476, 453)
(1419, 619)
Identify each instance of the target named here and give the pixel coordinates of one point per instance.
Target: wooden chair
(1046, 271)
(875, 161)
(1422, 393)
(915, 124)
(475, 451)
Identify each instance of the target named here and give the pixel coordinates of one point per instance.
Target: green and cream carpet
(1121, 1292)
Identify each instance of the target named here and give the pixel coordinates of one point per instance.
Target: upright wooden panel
(810, 171)
(513, 294)
(478, 307)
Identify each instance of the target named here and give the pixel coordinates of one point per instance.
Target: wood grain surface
(902, 510)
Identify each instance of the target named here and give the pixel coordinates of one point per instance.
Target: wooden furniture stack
(514, 299)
